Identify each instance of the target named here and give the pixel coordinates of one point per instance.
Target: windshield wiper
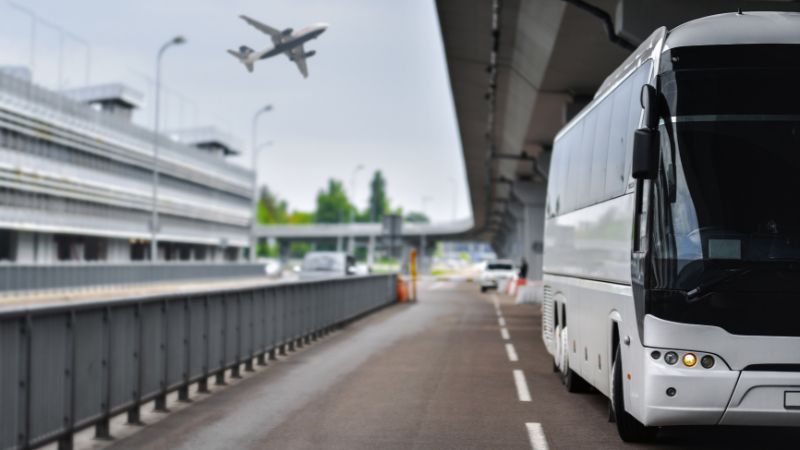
(706, 287)
(730, 274)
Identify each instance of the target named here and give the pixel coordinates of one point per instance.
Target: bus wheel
(629, 429)
(574, 382)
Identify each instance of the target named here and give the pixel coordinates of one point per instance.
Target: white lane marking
(536, 436)
(522, 386)
(512, 353)
(501, 321)
(496, 302)
(504, 333)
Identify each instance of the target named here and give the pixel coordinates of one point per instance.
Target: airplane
(288, 42)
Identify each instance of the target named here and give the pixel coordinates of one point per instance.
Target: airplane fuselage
(289, 42)
(296, 39)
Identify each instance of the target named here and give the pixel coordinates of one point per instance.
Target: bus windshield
(731, 169)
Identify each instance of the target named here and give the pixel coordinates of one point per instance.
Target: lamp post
(177, 40)
(254, 156)
(351, 242)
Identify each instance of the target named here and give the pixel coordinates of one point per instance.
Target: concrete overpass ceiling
(551, 58)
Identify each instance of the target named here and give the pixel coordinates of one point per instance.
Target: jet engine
(309, 54)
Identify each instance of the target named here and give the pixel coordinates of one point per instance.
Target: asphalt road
(438, 374)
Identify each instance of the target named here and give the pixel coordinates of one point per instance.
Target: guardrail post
(262, 355)
(183, 391)
(202, 385)
(26, 332)
(66, 440)
(161, 398)
(102, 429)
(220, 381)
(238, 336)
(134, 413)
(248, 362)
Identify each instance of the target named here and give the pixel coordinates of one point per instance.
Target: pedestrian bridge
(360, 230)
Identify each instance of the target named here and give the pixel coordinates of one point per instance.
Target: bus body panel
(592, 243)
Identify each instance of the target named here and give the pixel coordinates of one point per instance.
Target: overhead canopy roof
(519, 68)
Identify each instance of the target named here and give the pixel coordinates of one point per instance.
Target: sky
(378, 93)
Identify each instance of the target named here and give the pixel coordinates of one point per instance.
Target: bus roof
(757, 27)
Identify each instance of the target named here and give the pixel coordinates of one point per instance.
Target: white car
(317, 265)
(272, 267)
(495, 272)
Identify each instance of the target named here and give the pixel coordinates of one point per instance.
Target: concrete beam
(637, 19)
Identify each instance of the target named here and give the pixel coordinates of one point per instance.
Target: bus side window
(600, 154)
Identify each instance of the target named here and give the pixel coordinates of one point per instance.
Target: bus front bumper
(699, 396)
(719, 396)
(766, 399)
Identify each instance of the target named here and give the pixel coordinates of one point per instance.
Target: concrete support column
(529, 235)
(371, 251)
(422, 255)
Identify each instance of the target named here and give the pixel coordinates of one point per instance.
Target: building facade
(76, 180)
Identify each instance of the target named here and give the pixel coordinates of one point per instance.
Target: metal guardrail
(72, 366)
(16, 278)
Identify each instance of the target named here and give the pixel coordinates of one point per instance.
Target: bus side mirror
(645, 154)
(649, 101)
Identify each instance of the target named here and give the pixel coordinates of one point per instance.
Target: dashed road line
(504, 333)
(536, 436)
(512, 353)
(501, 321)
(522, 386)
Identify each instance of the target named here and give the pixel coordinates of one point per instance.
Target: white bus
(672, 236)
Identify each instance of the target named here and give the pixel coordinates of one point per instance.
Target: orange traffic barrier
(402, 294)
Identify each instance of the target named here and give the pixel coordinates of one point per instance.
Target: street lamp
(254, 156)
(177, 40)
(351, 242)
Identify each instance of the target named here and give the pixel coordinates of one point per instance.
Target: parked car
(494, 272)
(327, 265)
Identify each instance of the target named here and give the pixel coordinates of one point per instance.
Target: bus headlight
(689, 360)
(671, 358)
(707, 361)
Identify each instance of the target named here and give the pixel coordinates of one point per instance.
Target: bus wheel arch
(629, 429)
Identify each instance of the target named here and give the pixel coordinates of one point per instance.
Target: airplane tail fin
(241, 55)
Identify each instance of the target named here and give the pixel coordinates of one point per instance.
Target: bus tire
(574, 383)
(629, 429)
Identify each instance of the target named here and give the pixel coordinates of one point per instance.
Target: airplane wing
(299, 58)
(274, 33)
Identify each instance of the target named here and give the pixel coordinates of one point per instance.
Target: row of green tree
(334, 206)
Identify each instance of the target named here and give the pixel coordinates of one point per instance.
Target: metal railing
(19, 278)
(69, 367)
